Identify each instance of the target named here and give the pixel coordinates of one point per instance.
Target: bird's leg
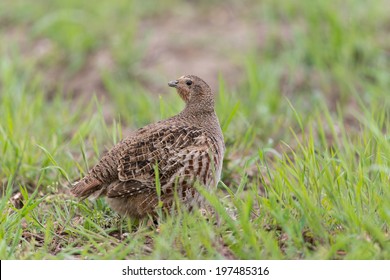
(119, 225)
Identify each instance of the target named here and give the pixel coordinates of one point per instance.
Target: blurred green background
(302, 86)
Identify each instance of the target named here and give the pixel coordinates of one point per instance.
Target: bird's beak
(173, 83)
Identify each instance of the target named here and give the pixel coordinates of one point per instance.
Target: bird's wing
(167, 149)
(127, 188)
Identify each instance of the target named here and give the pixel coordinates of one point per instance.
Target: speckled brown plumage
(186, 149)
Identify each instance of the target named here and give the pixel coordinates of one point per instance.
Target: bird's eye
(189, 82)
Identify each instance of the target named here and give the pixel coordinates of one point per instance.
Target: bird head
(194, 91)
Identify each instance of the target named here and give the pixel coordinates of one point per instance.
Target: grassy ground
(303, 100)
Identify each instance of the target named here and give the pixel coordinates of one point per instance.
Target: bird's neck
(206, 117)
(199, 106)
(198, 111)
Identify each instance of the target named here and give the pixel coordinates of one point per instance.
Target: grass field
(303, 100)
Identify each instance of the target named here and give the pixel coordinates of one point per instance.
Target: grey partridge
(185, 149)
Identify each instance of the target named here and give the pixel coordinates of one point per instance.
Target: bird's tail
(86, 187)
